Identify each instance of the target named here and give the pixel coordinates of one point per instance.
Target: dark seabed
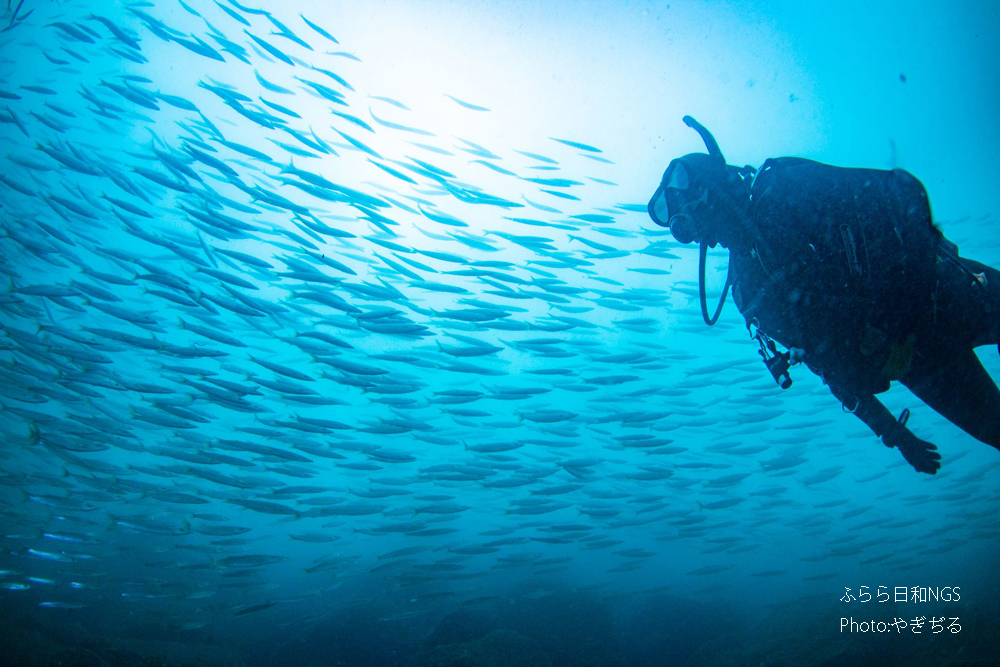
(338, 334)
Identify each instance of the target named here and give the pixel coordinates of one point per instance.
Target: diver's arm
(865, 407)
(918, 453)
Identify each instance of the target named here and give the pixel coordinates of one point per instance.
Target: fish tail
(34, 435)
(45, 303)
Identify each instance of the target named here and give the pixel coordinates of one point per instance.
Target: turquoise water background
(383, 332)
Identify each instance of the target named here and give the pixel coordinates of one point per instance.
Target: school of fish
(263, 335)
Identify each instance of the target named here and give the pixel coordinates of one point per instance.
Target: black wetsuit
(945, 372)
(846, 265)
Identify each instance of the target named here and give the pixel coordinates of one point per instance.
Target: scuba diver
(845, 269)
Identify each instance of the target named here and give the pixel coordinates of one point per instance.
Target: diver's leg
(958, 387)
(966, 308)
(988, 329)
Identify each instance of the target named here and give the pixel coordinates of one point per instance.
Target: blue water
(359, 347)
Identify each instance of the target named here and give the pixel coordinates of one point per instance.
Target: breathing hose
(701, 288)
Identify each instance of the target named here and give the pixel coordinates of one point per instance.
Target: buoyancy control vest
(840, 263)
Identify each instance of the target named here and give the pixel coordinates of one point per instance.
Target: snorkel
(713, 150)
(710, 143)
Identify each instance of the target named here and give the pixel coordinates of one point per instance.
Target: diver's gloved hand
(920, 454)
